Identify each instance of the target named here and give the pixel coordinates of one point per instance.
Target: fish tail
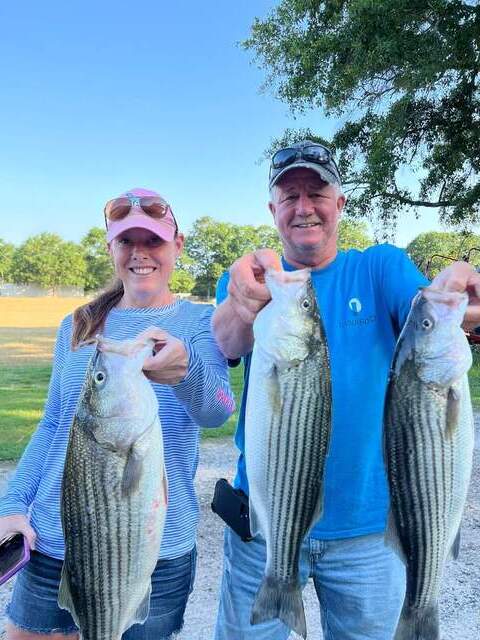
(278, 598)
(419, 624)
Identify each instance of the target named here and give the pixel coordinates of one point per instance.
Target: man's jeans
(360, 584)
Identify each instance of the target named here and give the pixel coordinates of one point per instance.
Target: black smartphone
(232, 507)
(14, 554)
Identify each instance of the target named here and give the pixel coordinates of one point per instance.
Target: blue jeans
(360, 584)
(34, 600)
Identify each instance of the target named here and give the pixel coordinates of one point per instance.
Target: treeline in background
(48, 261)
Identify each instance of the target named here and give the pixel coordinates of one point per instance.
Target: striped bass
(114, 494)
(428, 443)
(287, 433)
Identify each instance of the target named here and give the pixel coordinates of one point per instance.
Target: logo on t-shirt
(355, 305)
(359, 319)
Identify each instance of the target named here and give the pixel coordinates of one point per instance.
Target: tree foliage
(99, 266)
(404, 78)
(353, 235)
(48, 261)
(182, 279)
(6, 255)
(433, 251)
(213, 246)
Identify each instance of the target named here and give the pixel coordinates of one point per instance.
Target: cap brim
(321, 170)
(163, 228)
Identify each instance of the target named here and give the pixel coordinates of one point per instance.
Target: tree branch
(415, 203)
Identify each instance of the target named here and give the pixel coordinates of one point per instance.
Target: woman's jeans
(34, 601)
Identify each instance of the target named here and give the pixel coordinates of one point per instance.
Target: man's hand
(461, 276)
(169, 364)
(232, 321)
(246, 288)
(18, 523)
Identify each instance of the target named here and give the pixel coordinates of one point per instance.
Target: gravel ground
(460, 601)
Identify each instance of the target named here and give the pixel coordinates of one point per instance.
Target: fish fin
(65, 599)
(254, 521)
(418, 624)
(392, 539)
(318, 513)
(141, 614)
(455, 550)
(280, 599)
(273, 386)
(453, 411)
(132, 472)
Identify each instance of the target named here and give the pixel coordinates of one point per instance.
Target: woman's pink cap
(164, 227)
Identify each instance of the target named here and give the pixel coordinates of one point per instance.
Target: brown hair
(88, 320)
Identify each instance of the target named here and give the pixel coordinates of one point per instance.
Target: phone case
(232, 506)
(14, 554)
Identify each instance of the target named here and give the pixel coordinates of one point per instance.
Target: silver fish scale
(298, 442)
(427, 477)
(106, 553)
(287, 433)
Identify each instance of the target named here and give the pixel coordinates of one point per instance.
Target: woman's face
(144, 263)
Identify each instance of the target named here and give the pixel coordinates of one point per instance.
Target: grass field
(27, 335)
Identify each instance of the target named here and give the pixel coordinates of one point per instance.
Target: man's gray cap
(327, 171)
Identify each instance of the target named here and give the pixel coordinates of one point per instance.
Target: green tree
(353, 235)
(266, 236)
(213, 246)
(99, 267)
(6, 255)
(49, 261)
(404, 78)
(182, 279)
(434, 250)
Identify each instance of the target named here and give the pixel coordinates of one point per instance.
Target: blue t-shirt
(364, 298)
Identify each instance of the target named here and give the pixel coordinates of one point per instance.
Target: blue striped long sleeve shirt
(203, 398)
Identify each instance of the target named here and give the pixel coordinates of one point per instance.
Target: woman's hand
(169, 365)
(18, 523)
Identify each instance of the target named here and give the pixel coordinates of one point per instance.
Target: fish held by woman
(114, 494)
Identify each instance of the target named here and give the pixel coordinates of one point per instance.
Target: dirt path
(460, 603)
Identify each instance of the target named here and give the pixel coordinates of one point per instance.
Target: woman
(190, 379)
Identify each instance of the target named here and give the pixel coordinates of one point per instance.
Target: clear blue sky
(99, 97)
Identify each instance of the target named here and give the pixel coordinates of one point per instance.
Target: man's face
(306, 211)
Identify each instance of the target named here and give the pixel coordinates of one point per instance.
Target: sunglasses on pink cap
(153, 206)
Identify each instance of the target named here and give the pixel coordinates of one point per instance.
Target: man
(364, 298)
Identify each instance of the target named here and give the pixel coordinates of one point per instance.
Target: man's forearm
(233, 335)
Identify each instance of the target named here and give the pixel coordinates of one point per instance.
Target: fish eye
(99, 377)
(427, 324)
(306, 304)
